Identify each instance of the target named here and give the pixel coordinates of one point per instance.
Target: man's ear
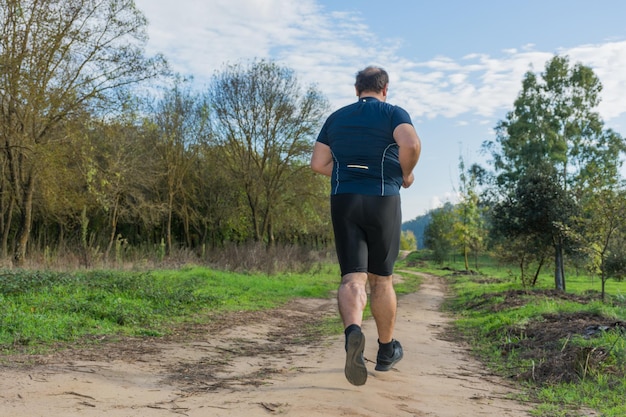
(356, 90)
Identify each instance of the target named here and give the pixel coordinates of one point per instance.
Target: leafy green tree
(603, 223)
(438, 235)
(408, 240)
(554, 128)
(220, 207)
(469, 229)
(537, 214)
(118, 170)
(264, 124)
(59, 57)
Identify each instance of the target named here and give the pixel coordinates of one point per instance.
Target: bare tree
(265, 124)
(180, 122)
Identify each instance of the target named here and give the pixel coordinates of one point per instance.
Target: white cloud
(327, 48)
(438, 201)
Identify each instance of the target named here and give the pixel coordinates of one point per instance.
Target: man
(369, 149)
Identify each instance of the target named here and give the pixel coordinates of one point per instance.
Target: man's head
(371, 79)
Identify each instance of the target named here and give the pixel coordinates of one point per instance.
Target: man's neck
(377, 95)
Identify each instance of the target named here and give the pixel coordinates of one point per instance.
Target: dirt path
(259, 366)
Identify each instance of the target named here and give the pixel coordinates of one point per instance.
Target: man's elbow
(315, 166)
(416, 148)
(321, 167)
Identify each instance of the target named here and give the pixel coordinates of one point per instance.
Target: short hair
(371, 79)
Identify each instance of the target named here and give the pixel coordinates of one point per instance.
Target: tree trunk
(7, 228)
(113, 227)
(541, 261)
(255, 221)
(170, 209)
(603, 276)
(465, 257)
(26, 222)
(559, 274)
(603, 287)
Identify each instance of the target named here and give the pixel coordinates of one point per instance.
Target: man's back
(365, 153)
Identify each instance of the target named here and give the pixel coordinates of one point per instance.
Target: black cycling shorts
(367, 232)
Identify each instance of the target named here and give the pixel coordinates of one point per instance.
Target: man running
(369, 149)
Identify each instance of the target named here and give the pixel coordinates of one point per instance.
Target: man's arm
(410, 148)
(322, 159)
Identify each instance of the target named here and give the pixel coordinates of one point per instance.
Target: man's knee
(380, 281)
(354, 278)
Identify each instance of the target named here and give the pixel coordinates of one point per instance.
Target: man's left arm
(410, 148)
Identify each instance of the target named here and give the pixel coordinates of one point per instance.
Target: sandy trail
(244, 370)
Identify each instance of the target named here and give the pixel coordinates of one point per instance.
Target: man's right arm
(410, 148)
(322, 159)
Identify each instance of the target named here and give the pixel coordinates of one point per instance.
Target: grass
(38, 309)
(540, 337)
(532, 335)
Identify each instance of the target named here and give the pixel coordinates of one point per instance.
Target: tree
(59, 57)
(264, 125)
(180, 122)
(554, 127)
(439, 232)
(117, 169)
(602, 220)
(469, 230)
(535, 216)
(408, 240)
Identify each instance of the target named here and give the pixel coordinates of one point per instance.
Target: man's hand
(407, 181)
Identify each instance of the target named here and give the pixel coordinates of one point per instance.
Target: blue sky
(455, 65)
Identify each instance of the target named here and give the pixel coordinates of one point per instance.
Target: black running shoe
(385, 363)
(355, 370)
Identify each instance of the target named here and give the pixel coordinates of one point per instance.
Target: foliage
(264, 125)
(439, 233)
(567, 349)
(537, 212)
(468, 230)
(603, 227)
(553, 133)
(418, 226)
(408, 241)
(60, 60)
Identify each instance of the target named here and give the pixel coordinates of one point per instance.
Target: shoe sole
(355, 370)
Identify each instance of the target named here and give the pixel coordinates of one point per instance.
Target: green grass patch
(568, 349)
(38, 309)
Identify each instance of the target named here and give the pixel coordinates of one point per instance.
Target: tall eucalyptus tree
(554, 129)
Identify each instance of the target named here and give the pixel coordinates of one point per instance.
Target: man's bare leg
(383, 303)
(352, 299)
(384, 306)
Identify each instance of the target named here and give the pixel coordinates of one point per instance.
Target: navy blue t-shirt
(364, 151)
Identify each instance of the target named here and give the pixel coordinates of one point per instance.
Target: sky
(455, 65)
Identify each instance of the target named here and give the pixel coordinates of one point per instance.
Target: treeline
(553, 193)
(103, 148)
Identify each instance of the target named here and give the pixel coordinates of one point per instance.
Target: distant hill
(417, 226)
